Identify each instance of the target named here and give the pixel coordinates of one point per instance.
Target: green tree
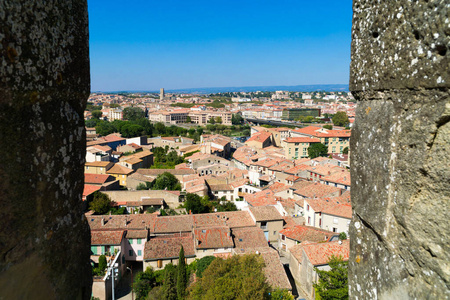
(102, 262)
(218, 120)
(340, 118)
(328, 127)
(96, 114)
(281, 294)
(345, 150)
(199, 130)
(236, 119)
(212, 121)
(166, 181)
(143, 283)
(100, 203)
(317, 149)
(160, 129)
(238, 277)
(181, 275)
(90, 123)
(333, 284)
(132, 113)
(227, 206)
(188, 119)
(203, 263)
(104, 128)
(342, 236)
(195, 204)
(170, 283)
(143, 186)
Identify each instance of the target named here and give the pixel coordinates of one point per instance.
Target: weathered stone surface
(400, 148)
(44, 85)
(400, 44)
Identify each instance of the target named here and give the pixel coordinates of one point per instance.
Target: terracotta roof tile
(213, 238)
(106, 237)
(320, 253)
(168, 246)
(265, 213)
(303, 233)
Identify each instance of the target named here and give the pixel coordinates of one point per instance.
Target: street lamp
(131, 283)
(113, 271)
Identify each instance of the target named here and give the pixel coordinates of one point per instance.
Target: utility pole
(113, 270)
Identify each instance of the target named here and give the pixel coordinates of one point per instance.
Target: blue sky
(148, 44)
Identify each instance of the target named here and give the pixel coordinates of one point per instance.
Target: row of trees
(169, 283)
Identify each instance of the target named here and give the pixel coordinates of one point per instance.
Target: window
(130, 241)
(159, 263)
(309, 220)
(139, 252)
(283, 237)
(130, 252)
(263, 225)
(334, 229)
(320, 222)
(94, 250)
(335, 220)
(348, 223)
(139, 241)
(307, 207)
(274, 233)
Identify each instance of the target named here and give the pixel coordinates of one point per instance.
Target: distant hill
(292, 88)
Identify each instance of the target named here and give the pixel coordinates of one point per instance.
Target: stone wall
(400, 150)
(44, 85)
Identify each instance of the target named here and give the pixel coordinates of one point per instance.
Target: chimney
(126, 221)
(103, 221)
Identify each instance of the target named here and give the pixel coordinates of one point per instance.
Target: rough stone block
(400, 44)
(400, 194)
(44, 85)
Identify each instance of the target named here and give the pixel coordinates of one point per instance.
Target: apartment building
(335, 140)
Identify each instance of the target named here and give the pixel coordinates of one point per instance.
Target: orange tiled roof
(320, 253)
(118, 169)
(168, 246)
(209, 238)
(106, 237)
(303, 233)
(301, 140)
(96, 178)
(260, 137)
(89, 189)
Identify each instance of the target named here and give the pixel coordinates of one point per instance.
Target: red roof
(320, 132)
(302, 140)
(89, 189)
(303, 233)
(95, 178)
(106, 237)
(320, 253)
(260, 137)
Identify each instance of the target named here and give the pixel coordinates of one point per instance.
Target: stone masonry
(44, 85)
(400, 150)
